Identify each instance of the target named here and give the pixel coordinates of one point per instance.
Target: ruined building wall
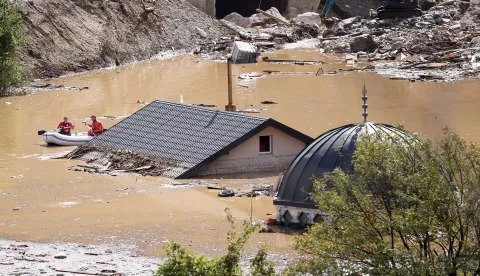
(296, 7)
(246, 158)
(207, 6)
(221, 8)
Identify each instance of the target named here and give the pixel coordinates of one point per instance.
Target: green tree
(179, 262)
(409, 208)
(11, 43)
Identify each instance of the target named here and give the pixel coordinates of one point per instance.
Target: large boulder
(296, 7)
(475, 41)
(259, 19)
(363, 43)
(311, 18)
(347, 23)
(239, 20)
(349, 8)
(426, 4)
(463, 6)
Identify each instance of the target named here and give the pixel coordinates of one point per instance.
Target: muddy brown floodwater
(55, 204)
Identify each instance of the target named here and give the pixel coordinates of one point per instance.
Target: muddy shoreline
(28, 258)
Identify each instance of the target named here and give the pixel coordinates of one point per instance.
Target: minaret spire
(365, 105)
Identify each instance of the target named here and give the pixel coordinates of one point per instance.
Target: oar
(41, 132)
(85, 122)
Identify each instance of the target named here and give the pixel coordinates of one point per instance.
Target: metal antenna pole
(365, 105)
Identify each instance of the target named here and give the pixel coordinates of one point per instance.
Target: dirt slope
(66, 36)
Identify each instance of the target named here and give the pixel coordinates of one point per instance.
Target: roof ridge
(211, 110)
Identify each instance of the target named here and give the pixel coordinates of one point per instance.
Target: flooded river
(40, 200)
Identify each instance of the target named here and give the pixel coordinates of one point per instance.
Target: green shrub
(11, 43)
(179, 262)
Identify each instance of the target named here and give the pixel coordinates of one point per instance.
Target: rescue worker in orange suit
(65, 127)
(96, 128)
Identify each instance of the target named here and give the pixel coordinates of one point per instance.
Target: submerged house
(204, 142)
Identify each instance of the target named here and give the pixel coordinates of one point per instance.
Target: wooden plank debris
(292, 61)
(279, 20)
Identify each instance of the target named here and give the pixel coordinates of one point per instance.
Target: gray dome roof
(330, 150)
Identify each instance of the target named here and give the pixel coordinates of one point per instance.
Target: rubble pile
(268, 32)
(112, 162)
(445, 38)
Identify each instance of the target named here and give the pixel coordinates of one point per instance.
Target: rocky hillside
(66, 36)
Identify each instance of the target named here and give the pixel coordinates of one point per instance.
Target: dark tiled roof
(332, 149)
(192, 136)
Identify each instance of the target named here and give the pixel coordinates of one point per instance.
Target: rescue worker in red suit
(96, 128)
(65, 127)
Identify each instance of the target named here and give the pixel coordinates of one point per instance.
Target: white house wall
(246, 158)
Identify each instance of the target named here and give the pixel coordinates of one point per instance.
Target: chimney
(230, 106)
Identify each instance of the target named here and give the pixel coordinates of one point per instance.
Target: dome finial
(365, 105)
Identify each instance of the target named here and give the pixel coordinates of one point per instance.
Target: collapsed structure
(183, 141)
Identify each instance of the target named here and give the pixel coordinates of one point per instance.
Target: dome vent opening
(303, 218)
(287, 217)
(318, 218)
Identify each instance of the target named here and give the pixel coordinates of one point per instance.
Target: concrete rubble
(441, 45)
(267, 33)
(311, 18)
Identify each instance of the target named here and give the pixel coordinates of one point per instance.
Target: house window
(265, 143)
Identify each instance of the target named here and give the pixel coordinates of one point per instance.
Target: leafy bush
(182, 263)
(11, 43)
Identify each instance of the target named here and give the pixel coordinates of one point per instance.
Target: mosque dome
(332, 149)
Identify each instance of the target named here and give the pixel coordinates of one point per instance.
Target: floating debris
(258, 190)
(269, 102)
(290, 61)
(51, 86)
(226, 193)
(205, 105)
(215, 187)
(251, 110)
(351, 59)
(249, 76)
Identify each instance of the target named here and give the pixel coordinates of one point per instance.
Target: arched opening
(247, 7)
